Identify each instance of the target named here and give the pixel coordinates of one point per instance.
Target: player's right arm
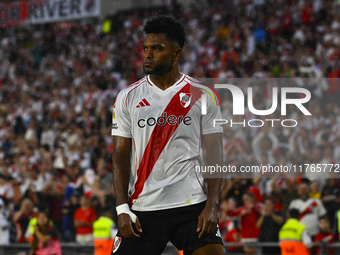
(121, 176)
(121, 132)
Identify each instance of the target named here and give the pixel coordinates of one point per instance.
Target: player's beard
(160, 69)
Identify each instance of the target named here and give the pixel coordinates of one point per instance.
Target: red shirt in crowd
(233, 236)
(278, 206)
(232, 55)
(87, 215)
(324, 238)
(306, 13)
(333, 82)
(287, 22)
(248, 221)
(21, 226)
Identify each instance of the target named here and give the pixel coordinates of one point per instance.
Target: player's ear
(177, 54)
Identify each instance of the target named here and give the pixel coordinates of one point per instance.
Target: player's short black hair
(173, 29)
(294, 213)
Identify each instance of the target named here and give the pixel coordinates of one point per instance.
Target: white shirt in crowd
(4, 224)
(315, 209)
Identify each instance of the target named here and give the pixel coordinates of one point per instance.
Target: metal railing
(260, 245)
(87, 249)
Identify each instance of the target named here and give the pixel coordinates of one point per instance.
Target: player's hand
(125, 226)
(207, 221)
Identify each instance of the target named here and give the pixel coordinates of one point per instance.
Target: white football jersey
(165, 128)
(310, 212)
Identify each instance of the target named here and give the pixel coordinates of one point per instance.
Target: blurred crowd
(59, 81)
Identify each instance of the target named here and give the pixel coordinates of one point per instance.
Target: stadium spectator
(48, 137)
(325, 236)
(270, 223)
(233, 236)
(45, 240)
(35, 183)
(29, 234)
(329, 197)
(96, 205)
(310, 209)
(96, 193)
(314, 190)
(105, 177)
(293, 236)
(69, 208)
(6, 188)
(235, 188)
(4, 223)
(104, 232)
(53, 192)
(83, 220)
(249, 214)
(225, 221)
(22, 218)
(288, 194)
(265, 143)
(276, 197)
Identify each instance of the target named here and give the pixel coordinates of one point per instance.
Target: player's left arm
(208, 219)
(212, 137)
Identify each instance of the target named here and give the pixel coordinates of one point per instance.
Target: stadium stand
(58, 83)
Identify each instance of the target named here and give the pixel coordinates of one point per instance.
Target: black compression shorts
(177, 225)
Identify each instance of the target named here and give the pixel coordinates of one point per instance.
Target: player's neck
(167, 80)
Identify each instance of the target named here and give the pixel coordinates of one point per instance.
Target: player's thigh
(185, 237)
(145, 244)
(209, 249)
(152, 240)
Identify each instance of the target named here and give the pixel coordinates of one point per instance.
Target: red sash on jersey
(308, 210)
(160, 137)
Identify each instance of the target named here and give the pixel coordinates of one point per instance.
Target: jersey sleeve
(306, 239)
(321, 209)
(121, 121)
(213, 112)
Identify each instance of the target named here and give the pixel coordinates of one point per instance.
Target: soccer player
(157, 128)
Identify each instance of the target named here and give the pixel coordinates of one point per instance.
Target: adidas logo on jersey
(143, 103)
